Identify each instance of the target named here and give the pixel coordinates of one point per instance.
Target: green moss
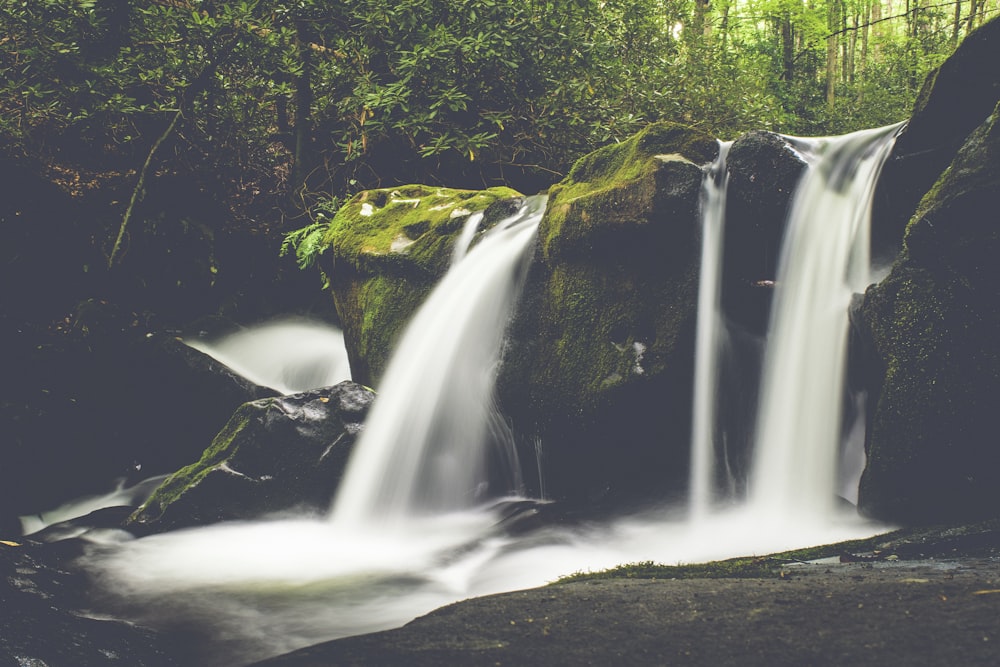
(624, 185)
(409, 221)
(906, 543)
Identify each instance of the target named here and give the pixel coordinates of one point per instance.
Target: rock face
(599, 361)
(389, 247)
(934, 328)
(955, 99)
(102, 399)
(275, 454)
(763, 174)
(40, 623)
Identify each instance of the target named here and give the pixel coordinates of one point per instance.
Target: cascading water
(288, 355)
(824, 260)
(425, 444)
(409, 531)
(709, 330)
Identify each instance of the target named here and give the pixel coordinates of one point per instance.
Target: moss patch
(412, 225)
(904, 544)
(612, 191)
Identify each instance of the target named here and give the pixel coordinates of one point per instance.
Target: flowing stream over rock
(288, 355)
(425, 447)
(825, 258)
(408, 534)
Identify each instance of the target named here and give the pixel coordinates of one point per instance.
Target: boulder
(955, 99)
(96, 397)
(764, 170)
(596, 376)
(274, 455)
(933, 328)
(388, 249)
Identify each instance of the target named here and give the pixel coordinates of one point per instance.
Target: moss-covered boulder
(954, 101)
(598, 367)
(934, 327)
(389, 247)
(274, 455)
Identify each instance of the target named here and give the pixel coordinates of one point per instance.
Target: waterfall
(288, 355)
(426, 444)
(709, 331)
(824, 260)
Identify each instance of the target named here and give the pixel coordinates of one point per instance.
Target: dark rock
(274, 455)
(934, 326)
(764, 171)
(955, 99)
(42, 621)
(97, 397)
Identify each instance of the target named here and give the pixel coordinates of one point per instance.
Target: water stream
(415, 524)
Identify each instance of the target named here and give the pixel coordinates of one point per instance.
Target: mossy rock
(274, 455)
(598, 366)
(934, 325)
(389, 247)
(614, 198)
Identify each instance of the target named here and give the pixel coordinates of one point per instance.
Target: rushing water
(709, 331)
(824, 260)
(426, 445)
(413, 527)
(289, 354)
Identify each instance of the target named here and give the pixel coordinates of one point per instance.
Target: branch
(139, 185)
(889, 18)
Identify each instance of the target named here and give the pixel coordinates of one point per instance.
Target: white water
(121, 495)
(709, 331)
(288, 355)
(824, 260)
(263, 588)
(425, 447)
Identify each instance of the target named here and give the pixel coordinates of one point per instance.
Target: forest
(284, 107)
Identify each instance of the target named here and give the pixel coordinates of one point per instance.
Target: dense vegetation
(278, 101)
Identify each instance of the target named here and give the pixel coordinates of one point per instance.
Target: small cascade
(709, 332)
(824, 260)
(288, 355)
(465, 238)
(427, 443)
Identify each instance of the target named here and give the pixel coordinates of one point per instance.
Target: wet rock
(274, 455)
(763, 173)
(934, 328)
(96, 398)
(42, 621)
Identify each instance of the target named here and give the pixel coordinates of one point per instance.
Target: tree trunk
(787, 48)
(302, 161)
(832, 21)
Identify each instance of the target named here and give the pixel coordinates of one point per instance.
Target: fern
(306, 243)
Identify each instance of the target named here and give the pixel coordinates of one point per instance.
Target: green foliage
(317, 98)
(307, 243)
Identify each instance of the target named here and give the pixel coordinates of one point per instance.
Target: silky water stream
(240, 592)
